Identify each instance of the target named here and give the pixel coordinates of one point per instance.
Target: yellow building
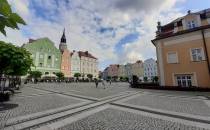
(183, 51)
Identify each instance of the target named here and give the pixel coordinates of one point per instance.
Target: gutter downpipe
(206, 50)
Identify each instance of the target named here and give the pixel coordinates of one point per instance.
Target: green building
(46, 57)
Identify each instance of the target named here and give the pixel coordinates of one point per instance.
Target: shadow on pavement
(7, 106)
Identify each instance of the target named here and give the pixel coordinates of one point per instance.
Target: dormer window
(191, 24)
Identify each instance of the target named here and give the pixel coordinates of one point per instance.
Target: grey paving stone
(87, 89)
(34, 104)
(114, 119)
(183, 105)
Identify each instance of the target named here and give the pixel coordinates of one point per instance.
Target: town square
(104, 65)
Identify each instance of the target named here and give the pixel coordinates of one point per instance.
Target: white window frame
(202, 54)
(191, 24)
(177, 59)
(185, 80)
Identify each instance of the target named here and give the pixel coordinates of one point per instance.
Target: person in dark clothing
(96, 82)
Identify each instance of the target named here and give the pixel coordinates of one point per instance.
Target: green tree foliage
(90, 76)
(77, 75)
(145, 79)
(35, 74)
(14, 60)
(60, 75)
(155, 79)
(115, 78)
(108, 77)
(8, 18)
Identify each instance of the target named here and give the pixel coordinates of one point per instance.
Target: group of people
(103, 83)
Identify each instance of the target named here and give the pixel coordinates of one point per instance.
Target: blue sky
(115, 31)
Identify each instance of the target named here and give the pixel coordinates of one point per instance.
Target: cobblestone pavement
(33, 98)
(114, 119)
(26, 91)
(19, 106)
(183, 105)
(88, 89)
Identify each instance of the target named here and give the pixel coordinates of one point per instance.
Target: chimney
(30, 40)
(158, 28)
(189, 11)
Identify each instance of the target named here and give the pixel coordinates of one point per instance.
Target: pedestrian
(96, 82)
(102, 81)
(110, 81)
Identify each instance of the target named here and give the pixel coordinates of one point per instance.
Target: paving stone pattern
(113, 119)
(183, 105)
(29, 105)
(87, 89)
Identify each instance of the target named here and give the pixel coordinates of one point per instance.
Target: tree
(115, 78)
(77, 75)
(90, 76)
(155, 79)
(35, 74)
(14, 60)
(121, 78)
(126, 78)
(8, 18)
(60, 75)
(145, 79)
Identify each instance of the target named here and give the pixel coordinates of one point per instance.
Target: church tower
(63, 45)
(65, 56)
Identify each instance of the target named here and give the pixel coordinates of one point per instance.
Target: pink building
(113, 70)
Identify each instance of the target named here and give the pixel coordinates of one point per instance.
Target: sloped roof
(86, 54)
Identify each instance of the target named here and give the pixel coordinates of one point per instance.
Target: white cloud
(77, 16)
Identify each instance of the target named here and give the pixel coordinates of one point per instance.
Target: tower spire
(63, 44)
(63, 39)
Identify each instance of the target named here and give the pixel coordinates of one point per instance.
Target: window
(184, 80)
(49, 57)
(172, 57)
(197, 54)
(40, 64)
(41, 56)
(46, 73)
(191, 24)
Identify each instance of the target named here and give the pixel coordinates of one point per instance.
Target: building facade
(46, 57)
(137, 69)
(128, 70)
(121, 71)
(150, 68)
(113, 70)
(65, 57)
(88, 64)
(183, 51)
(75, 63)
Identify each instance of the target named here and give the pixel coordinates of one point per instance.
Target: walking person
(110, 81)
(102, 81)
(96, 82)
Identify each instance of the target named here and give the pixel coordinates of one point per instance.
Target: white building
(75, 63)
(150, 68)
(84, 63)
(88, 64)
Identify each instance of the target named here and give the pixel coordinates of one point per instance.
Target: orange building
(66, 57)
(183, 51)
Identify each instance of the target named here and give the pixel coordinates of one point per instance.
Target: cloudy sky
(115, 31)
